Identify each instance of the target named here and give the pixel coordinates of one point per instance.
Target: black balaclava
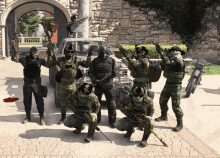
(33, 53)
(69, 50)
(102, 52)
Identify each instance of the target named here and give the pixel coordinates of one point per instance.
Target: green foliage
(29, 22)
(210, 70)
(152, 53)
(185, 17)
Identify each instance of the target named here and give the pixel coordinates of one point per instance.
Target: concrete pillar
(83, 12)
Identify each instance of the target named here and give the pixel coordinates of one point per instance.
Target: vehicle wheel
(56, 94)
(190, 87)
(195, 85)
(52, 73)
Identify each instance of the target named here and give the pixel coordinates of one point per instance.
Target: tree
(184, 17)
(29, 22)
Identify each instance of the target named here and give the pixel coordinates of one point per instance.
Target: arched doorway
(13, 12)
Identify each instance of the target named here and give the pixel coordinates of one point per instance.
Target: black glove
(158, 48)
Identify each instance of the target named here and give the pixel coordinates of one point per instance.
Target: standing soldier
(139, 68)
(136, 104)
(68, 65)
(102, 71)
(85, 105)
(32, 82)
(174, 71)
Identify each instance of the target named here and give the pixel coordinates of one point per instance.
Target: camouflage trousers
(173, 91)
(66, 88)
(74, 121)
(126, 123)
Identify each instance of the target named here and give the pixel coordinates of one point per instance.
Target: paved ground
(32, 140)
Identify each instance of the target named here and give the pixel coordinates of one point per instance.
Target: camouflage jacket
(129, 107)
(174, 69)
(84, 103)
(68, 68)
(139, 68)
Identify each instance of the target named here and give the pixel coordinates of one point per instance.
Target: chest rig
(69, 68)
(83, 102)
(174, 72)
(140, 71)
(32, 68)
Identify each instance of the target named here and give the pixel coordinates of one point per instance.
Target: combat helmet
(138, 93)
(69, 50)
(175, 48)
(86, 89)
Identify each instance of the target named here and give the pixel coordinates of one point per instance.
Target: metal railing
(26, 40)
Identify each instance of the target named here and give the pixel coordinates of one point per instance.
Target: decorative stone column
(2, 40)
(83, 12)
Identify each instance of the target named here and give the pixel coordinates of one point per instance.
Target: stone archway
(15, 10)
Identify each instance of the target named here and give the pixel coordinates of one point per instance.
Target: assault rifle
(51, 46)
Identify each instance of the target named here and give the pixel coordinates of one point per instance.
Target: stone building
(113, 20)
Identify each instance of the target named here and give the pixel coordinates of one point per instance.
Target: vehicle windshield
(81, 47)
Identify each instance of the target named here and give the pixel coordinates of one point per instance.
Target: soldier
(68, 65)
(102, 71)
(174, 71)
(140, 67)
(32, 82)
(136, 104)
(85, 105)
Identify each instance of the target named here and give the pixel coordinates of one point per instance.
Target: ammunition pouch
(44, 91)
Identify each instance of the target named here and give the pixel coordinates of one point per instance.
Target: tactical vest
(102, 67)
(174, 72)
(32, 68)
(83, 102)
(140, 71)
(138, 107)
(69, 68)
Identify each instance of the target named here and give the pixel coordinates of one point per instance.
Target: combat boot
(179, 126)
(79, 129)
(89, 136)
(144, 140)
(42, 122)
(62, 118)
(129, 132)
(27, 119)
(163, 117)
(112, 124)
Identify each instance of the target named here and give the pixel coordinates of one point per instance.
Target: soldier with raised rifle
(68, 73)
(174, 71)
(32, 82)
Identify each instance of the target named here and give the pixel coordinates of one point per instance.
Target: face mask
(137, 99)
(102, 55)
(33, 56)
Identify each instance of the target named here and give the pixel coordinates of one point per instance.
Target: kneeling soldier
(136, 106)
(86, 106)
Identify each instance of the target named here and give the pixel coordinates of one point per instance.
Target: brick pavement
(52, 140)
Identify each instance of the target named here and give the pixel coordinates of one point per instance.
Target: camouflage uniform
(142, 107)
(68, 69)
(174, 71)
(86, 108)
(139, 68)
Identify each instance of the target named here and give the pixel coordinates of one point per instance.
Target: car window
(59, 52)
(81, 47)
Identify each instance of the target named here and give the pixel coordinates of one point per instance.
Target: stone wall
(117, 23)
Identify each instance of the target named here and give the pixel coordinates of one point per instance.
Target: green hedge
(152, 53)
